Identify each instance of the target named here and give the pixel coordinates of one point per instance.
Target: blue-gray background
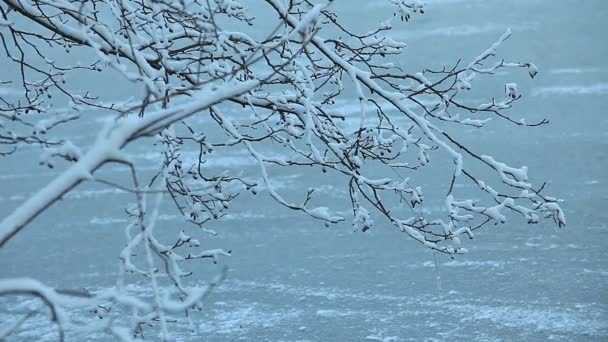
(292, 279)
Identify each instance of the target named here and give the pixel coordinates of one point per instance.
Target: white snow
(576, 89)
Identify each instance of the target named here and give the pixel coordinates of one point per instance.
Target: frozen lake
(292, 279)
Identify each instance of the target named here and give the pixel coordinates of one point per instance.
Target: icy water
(292, 279)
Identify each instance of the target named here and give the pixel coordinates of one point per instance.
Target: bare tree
(185, 62)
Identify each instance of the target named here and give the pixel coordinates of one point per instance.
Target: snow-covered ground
(292, 279)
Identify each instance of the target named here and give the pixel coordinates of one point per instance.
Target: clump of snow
(511, 90)
(67, 151)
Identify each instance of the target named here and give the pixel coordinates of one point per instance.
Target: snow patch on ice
(463, 30)
(592, 89)
(15, 197)
(473, 264)
(379, 338)
(577, 70)
(330, 313)
(240, 158)
(387, 4)
(236, 216)
(466, 263)
(536, 318)
(600, 272)
(242, 317)
(76, 194)
(82, 194)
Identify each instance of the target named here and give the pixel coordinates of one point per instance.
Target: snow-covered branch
(271, 95)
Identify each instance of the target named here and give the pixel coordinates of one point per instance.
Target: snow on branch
(201, 88)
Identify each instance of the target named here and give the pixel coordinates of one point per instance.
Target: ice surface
(519, 282)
